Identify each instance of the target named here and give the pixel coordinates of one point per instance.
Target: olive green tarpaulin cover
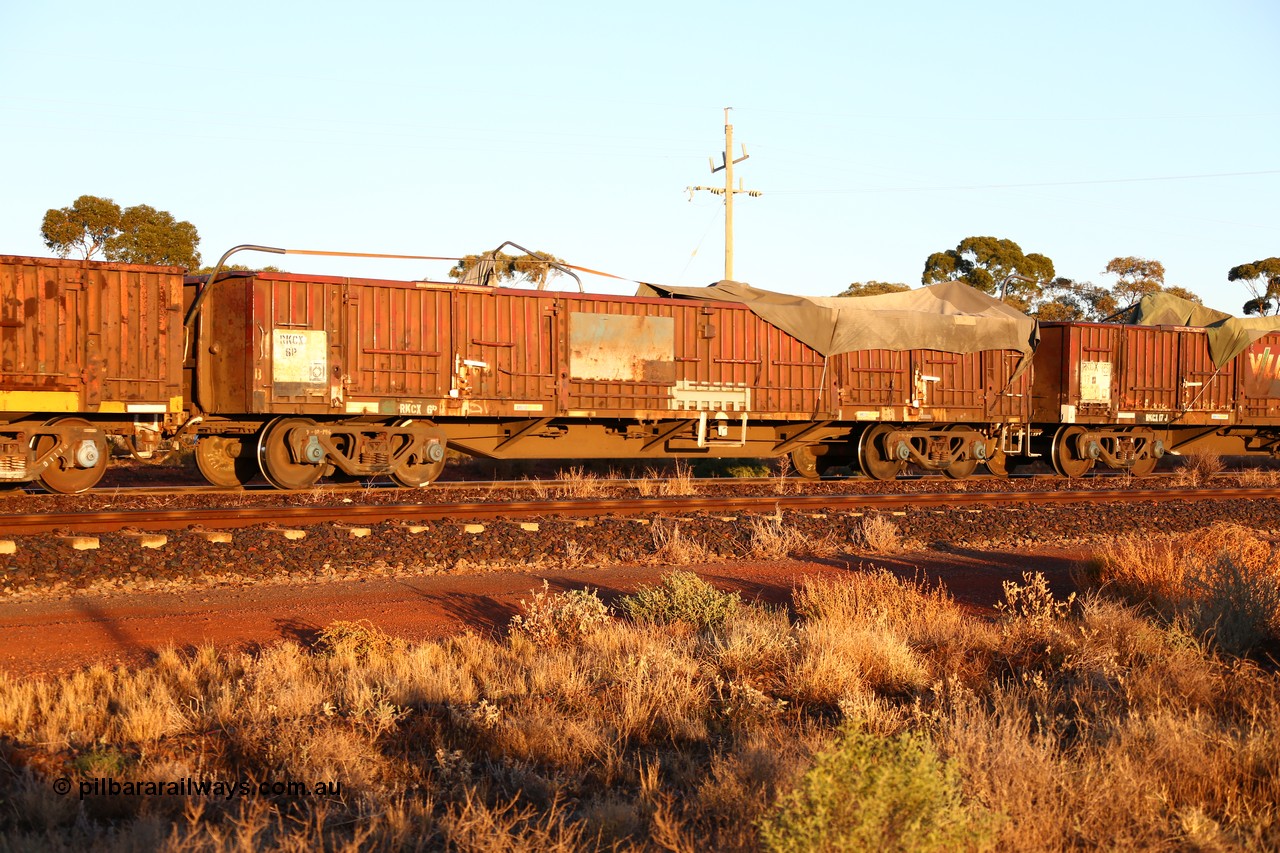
(949, 317)
(1228, 336)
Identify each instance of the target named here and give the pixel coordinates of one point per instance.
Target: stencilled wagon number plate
(1095, 382)
(299, 357)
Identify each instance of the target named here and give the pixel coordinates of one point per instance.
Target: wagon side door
(873, 384)
(504, 351)
(948, 385)
(632, 357)
(296, 339)
(1007, 393)
(396, 341)
(42, 335)
(1149, 382)
(1207, 391)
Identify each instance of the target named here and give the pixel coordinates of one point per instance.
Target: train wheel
(1143, 467)
(961, 468)
(423, 466)
(997, 464)
(807, 463)
(872, 458)
(277, 463)
(225, 461)
(419, 470)
(85, 467)
(1063, 454)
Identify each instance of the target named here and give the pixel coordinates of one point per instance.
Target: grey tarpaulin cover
(1228, 336)
(950, 317)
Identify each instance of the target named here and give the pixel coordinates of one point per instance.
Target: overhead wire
(965, 187)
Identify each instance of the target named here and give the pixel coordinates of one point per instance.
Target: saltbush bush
(548, 619)
(681, 597)
(874, 793)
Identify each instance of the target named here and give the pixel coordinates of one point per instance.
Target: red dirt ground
(55, 635)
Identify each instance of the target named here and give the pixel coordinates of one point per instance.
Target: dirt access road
(49, 636)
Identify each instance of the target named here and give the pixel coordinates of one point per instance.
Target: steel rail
(235, 517)
(339, 490)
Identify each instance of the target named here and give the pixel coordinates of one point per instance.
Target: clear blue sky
(878, 132)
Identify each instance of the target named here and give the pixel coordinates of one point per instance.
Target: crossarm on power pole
(728, 190)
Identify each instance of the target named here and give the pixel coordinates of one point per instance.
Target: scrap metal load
(297, 377)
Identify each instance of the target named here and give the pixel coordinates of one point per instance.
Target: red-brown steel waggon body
(1122, 396)
(297, 377)
(375, 376)
(85, 348)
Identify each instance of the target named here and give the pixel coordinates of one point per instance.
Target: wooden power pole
(728, 190)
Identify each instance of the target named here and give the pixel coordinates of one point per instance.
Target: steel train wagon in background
(298, 377)
(1121, 395)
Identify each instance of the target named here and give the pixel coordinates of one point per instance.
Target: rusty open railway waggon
(298, 377)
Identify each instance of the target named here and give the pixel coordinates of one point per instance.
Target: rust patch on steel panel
(617, 348)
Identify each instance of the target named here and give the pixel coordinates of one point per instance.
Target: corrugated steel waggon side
(85, 349)
(297, 377)
(308, 375)
(1122, 395)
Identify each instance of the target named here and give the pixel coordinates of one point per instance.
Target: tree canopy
(873, 288)
(1067, 299)
(1183, 293)
(536, 268)
(235, 268)
(1135, 278)
(134, 235)
(150, 236)
(986, 263)
(85, 226)
(1263, 280)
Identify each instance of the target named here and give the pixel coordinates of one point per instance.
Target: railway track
(349, 513)
(546, 485)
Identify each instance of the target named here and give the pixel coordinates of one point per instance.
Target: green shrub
(681, 597)
(875, 793)
(102, 761)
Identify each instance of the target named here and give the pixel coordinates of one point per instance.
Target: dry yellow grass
(1222, 583)
(772, 538)
(673, 548)
(1087, 724)
(578, 482)
(676, 483)
(879, 535)
(1197, 468)
(1259, 478)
